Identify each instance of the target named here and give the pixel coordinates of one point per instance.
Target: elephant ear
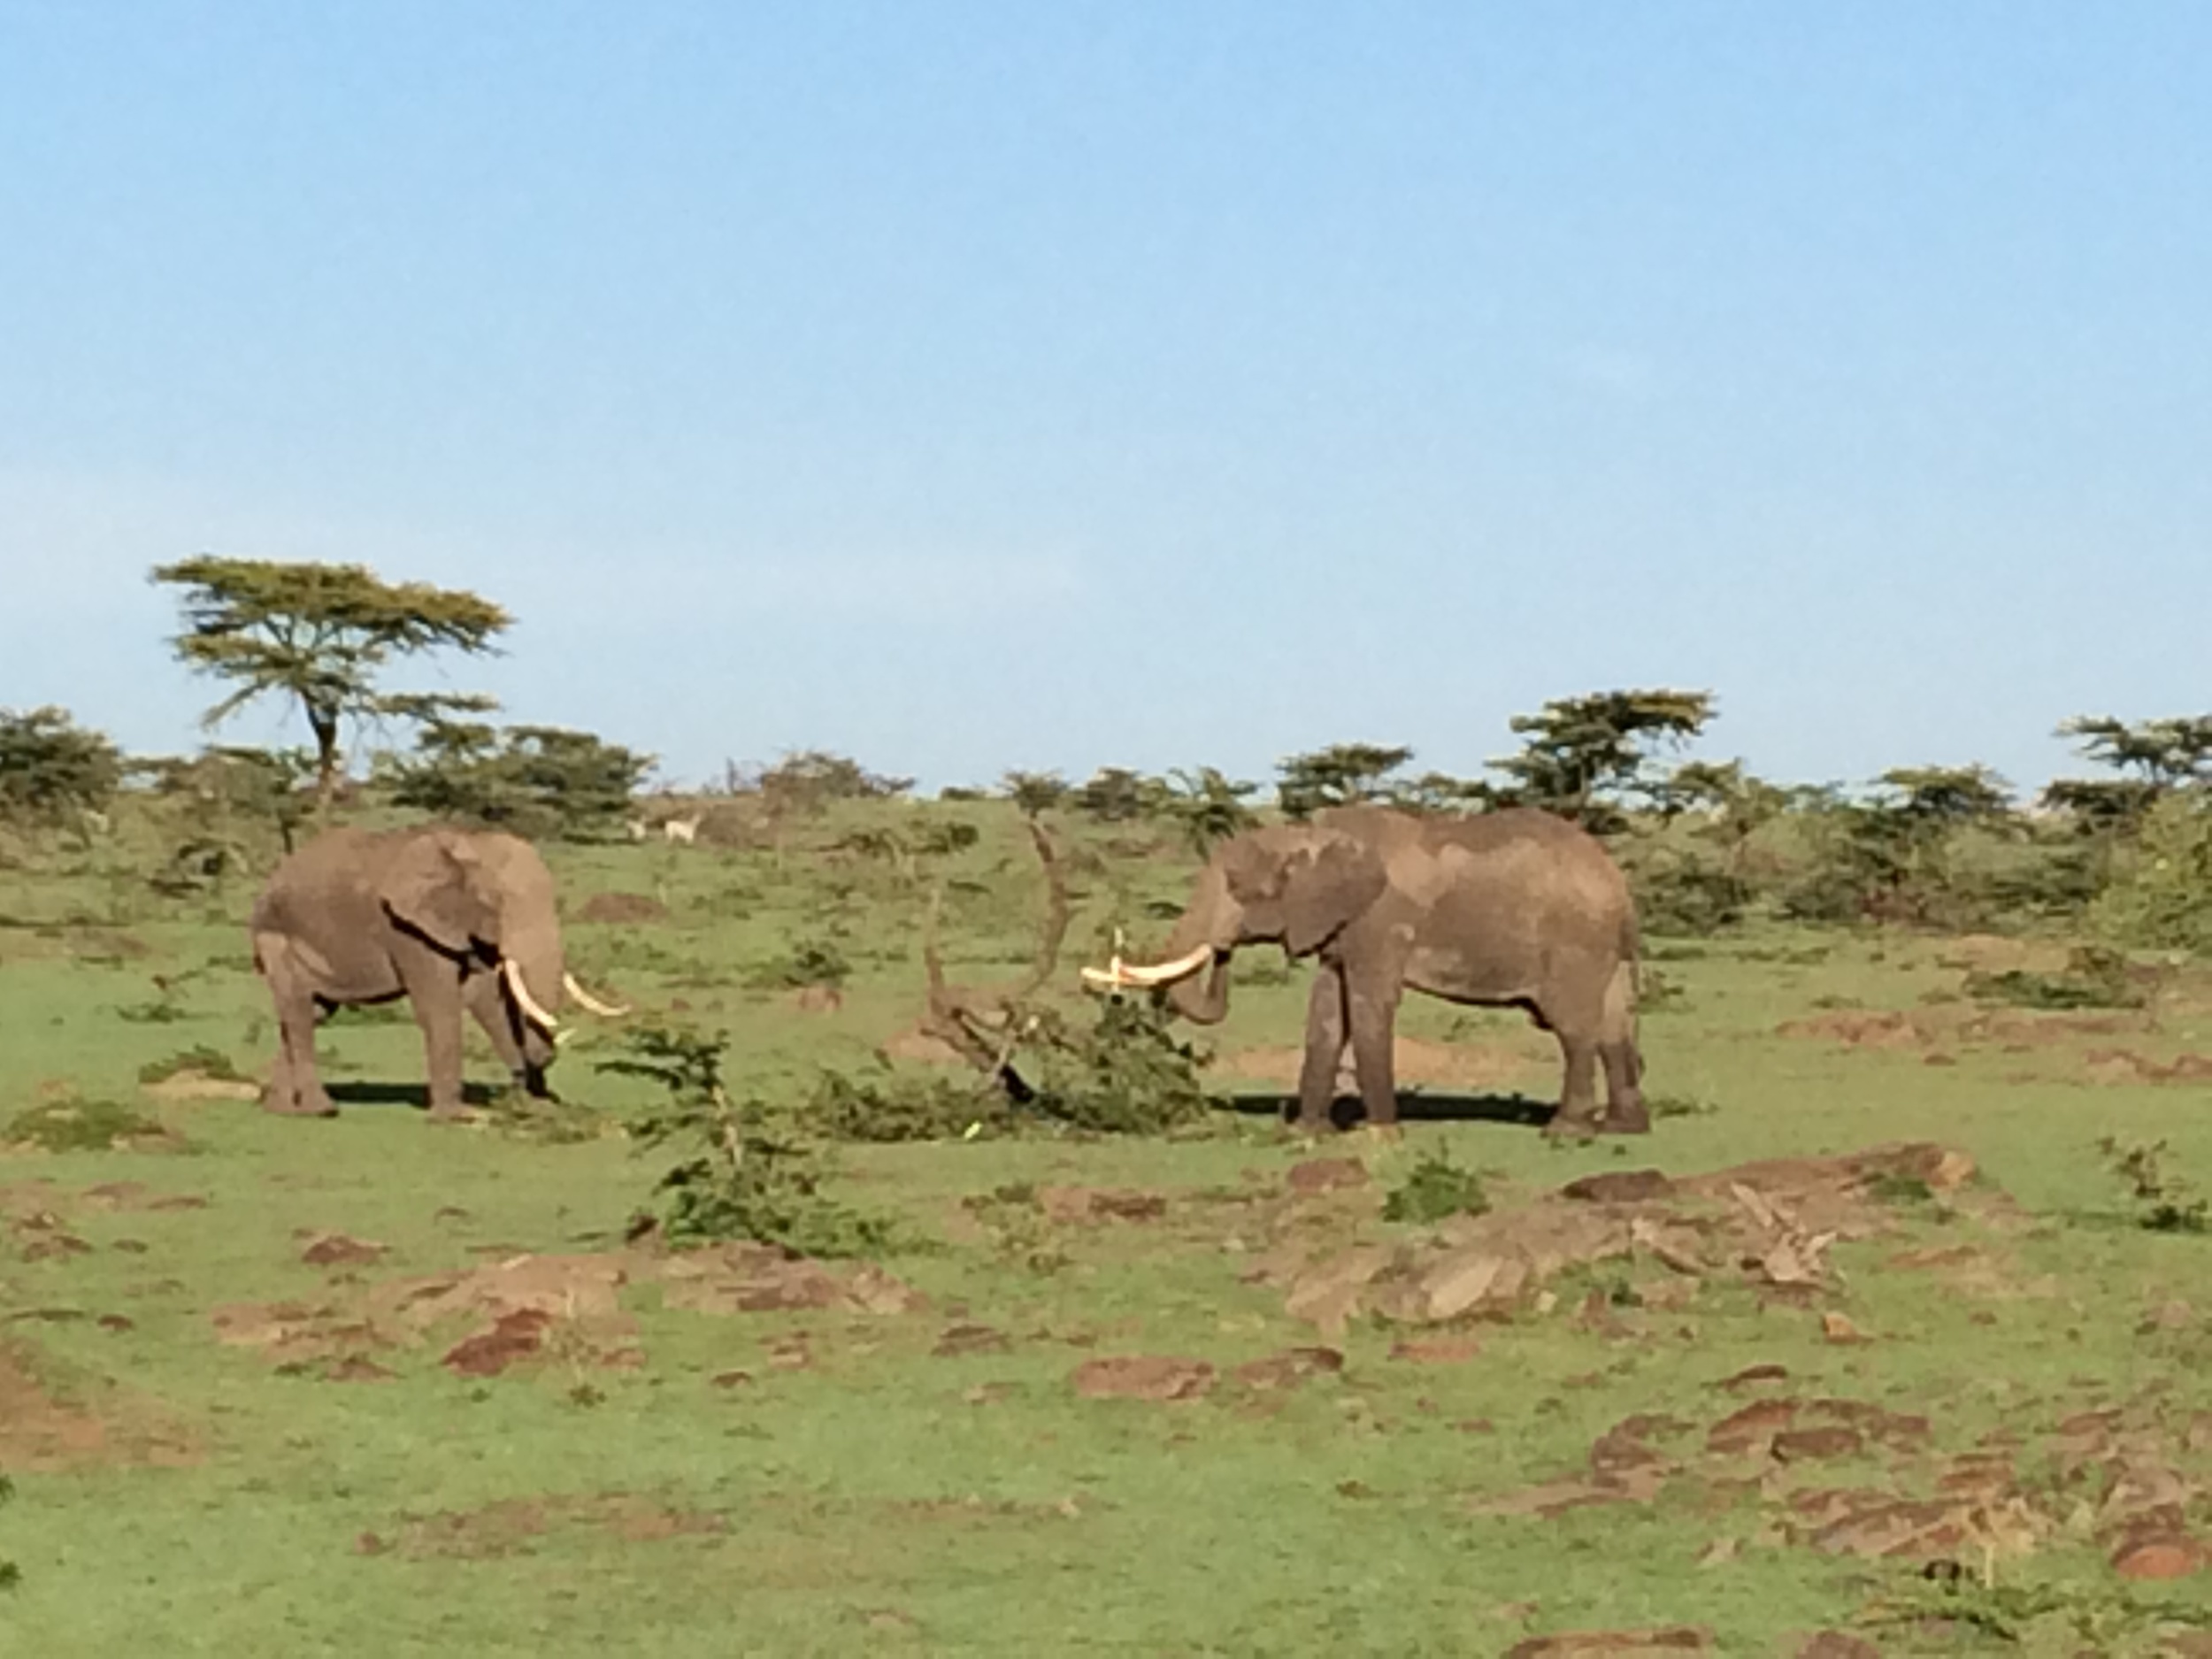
(1324, 890)
(438, 887)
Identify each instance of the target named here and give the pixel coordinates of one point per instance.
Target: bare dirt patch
(622, 907)
(529, 1307)
(1771, 1223)
(512, 1525)
(1143, 1377)
(1607, 1644)
(1950, 1027)
(42, 1430)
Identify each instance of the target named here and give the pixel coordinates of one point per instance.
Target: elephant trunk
(1203, 998)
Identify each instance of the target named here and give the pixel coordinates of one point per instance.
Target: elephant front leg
(438, 1014)
(1325, 1047)
(1374, 1021)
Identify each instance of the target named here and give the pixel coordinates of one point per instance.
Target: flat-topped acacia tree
(319, 635)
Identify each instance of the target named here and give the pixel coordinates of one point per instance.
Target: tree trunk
(325, 725)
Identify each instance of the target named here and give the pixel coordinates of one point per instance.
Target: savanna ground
(374, 1387)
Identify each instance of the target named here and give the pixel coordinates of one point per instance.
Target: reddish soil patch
(2119, 1065)
(510, 1527)
(41, 1432)
(335, 1249)
(1951, 1027)
(1143, 1377)
(1605, 1644)
(917, 1047)
(528, 1305)
(1100, 1203)
(1772, 1220)
(622, 907)
(1289, 1369)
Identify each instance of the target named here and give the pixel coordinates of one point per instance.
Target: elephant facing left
(458, 922)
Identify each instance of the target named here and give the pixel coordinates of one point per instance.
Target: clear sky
(1055, 383)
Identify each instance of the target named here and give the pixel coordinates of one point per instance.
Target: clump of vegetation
(1343, 774)
(880, 1104)
(1681, 1106)
(51, 769)
(2164, 1203)
(1126, 1074)
(10, 1575)
(2094, 977)
(319, 635)
(201, 1060)
(1434, 1190)
(77, 1125)
(534, 780)
(544, 1120)
(1020, 1232)
(2158, 892)
(808, 962)
(745, 1171)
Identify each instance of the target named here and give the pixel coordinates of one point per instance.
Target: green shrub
(745, 1171)
(2164, 1203)
(2094, 977)
(77, 1125)
(880, 1104)
(202, 1060)
(1434, 1190)
(2159, 895)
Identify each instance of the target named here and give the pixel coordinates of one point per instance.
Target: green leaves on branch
(52, 769)
(534, 780)
(320, 635)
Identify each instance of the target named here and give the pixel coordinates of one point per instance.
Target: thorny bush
(747, 1172)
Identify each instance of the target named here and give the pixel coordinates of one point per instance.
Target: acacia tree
(50, 766)
(1581, 754)
(1339, 775)
(2153, 759)
(319, 634)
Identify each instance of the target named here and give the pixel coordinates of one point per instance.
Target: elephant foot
(1567, 1125)
(321, 1108)
(1305, 1128)
(451, 1112)
(1628, 1120)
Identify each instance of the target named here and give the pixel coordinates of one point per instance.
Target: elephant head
(490, 899)
(1294, 885)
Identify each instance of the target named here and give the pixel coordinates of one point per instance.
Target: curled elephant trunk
(1204, 1002)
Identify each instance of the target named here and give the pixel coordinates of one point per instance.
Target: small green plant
(745, 1171)
(1434, 1189)
(1019, 1230)
(544, 1120)
(2094, 977)
(1681, 1106)
(77, 1125)
(1128, 1074)
(10, 1575)
(2164, 1203)
(880, 1104)
(806, 962)
(201, 1060)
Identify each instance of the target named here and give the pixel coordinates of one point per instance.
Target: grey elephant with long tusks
(459, 923)
(1513, 909)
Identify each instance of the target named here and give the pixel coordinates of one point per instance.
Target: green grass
(888, 1497)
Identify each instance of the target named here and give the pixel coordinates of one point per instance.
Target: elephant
(1515, 908)
(456, 921)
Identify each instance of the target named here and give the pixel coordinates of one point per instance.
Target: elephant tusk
(1119, 975)
(584, 1000)
(512, 973)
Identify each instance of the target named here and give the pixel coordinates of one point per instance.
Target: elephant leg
(437, 1004)
(296, 1088)
(1625, 1113)
(1374, 1020)
(1578, 1113)
(1325, 1047)
(480, 992)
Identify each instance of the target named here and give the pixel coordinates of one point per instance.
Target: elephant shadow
(414, 1094)
(1436, 1106)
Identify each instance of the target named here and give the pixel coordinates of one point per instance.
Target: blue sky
(971, 385)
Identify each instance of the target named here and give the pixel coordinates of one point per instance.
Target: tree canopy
(1581, 754)
(319, 634)
(50, 766)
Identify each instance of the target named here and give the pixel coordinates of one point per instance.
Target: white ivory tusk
(1119, 975)
(523, 999)
(586, 999)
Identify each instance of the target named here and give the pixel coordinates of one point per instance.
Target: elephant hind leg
(1624, 1109)
(296, 1088)
(1325, 1032)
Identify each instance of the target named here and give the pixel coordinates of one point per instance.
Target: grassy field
(1980, 1418)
